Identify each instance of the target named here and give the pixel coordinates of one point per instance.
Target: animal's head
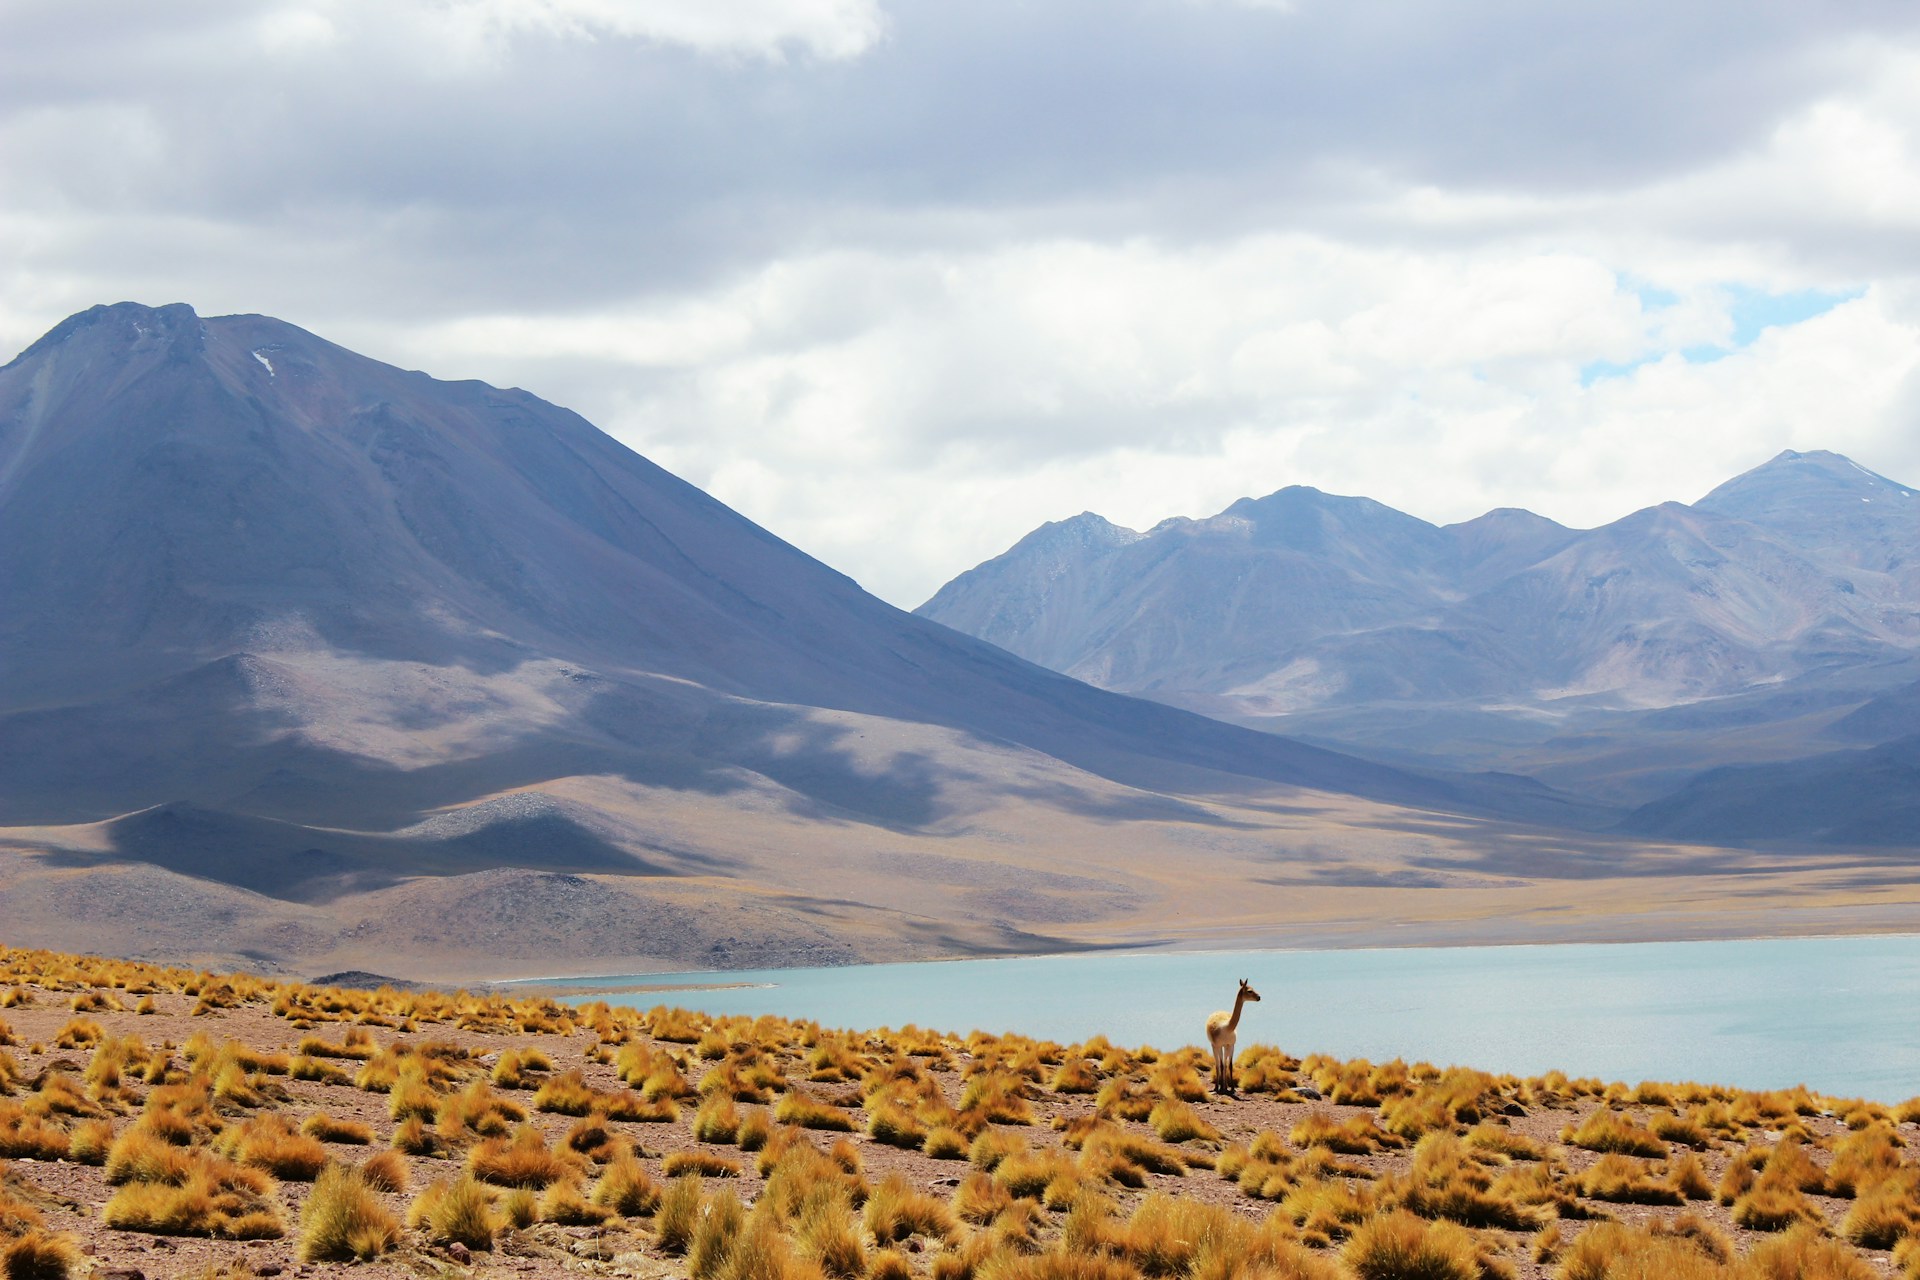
(1247, 992)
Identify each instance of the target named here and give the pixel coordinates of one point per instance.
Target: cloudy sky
(901, 280)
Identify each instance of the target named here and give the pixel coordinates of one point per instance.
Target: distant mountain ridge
(1302, 599)
(1507, 641)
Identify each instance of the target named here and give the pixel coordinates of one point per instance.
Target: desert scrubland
(180, 1123)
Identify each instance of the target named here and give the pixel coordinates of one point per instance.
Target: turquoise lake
(1841, 1015)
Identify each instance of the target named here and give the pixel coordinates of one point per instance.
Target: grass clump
(385, 1171)
(678, 1215)
(460, 1211)
(39, 1255)
(268, 1142)
(1176, 1121)
(797, 1107)
(344, 1219)
(626, 1189)
(895, 1211)
(702, 1163)
(325, 1128)
(1357, 1136)
(1625, 1180)
(1608, 1132)
(521, 1161)
(1400, 1246)
(718, 1119)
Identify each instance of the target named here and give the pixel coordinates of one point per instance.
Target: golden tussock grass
(593, 1136)
(1355, 1136)
(703, 1163)
(524, 1160)
(516, 1068)
(1075, 1075)
(1804, 1253)
(458, 1210)
(1610, 1251)
(1123, 1100)
(810, 1112)
(413, 1137)
(1175, 1121)
(1886, 1212)
(723, 1220)
(678, 1214)
(318, 1070)
(325, 1128)
(205, 1204)
(565, 1205)
(1446, 1182)
(344, 1219)
(385, 1171)
(1607, 1131)
(90, 1142)
(896, 1210)
(1625, 1180)
(1400, 1246)
(944, 1142)
(269, 1142)
(1774, 1206)
(79, 1033)
(847, 1156)
(1503, 1141)
(1027, 1174)
(895, 1126)
(517, 1210)
(1688, 1131)
(827, 1232)
(756, 1126)
(568, 1095)
(626, 1189)
(717, 1120)
(40, 1255)
(1864, 1157)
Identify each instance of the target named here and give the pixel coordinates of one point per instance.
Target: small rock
(914, 1244)
(459, 1253)
(268, 1269)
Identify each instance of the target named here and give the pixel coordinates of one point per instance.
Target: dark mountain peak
(128, 326)
(1505, 520)
(1502, 542)
(1827, 504)
(1304, 519)
(1791, 478)
(1088, 530)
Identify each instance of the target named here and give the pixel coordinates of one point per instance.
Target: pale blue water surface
(1841, 1015)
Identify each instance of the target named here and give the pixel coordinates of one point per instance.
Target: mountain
(292, 623)
(1505, 642)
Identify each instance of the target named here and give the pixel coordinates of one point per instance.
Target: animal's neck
(1239, 1002)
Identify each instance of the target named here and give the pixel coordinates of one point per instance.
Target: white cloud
(968, 397)
(902, 284)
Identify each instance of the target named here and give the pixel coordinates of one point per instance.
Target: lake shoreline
(1424, 938)
(1756, 1013)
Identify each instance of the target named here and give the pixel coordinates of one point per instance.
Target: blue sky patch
(1753, 312)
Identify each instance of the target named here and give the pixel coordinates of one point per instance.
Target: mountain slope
(179, 490)
(287, 619)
